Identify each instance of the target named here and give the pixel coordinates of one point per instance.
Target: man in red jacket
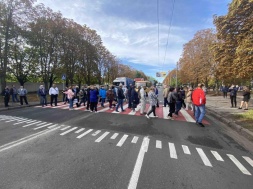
(199, 101)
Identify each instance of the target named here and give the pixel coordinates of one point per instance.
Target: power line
(173, 5)
(158, 36)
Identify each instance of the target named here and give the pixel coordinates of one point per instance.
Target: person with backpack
(233, 93)
(172, 102)
(199, 101)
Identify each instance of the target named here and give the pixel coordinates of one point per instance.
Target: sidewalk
(220, 108)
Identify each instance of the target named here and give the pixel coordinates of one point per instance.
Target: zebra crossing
(161, 112)
(122, 139)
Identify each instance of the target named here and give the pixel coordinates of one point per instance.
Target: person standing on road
(143, 100)
(102, 94)
(179, 100)
(43, 96)
(165, 95)
(129, 92)
(156, 93)
(70, 95)
(189, 99)
(22, 92)
(93, 99)
(199, 101)
(152, 101)
(14, 93)
(53, 92)
(6, 95)
(110, 97)
(246, 98)
(121, 97)
(134, 98)
(172, 102)
(225, 91)
(233, 93)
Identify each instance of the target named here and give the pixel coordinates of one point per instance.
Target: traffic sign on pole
(63, 77)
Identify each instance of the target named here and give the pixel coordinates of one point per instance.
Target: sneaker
(147, 116)
(91, 111)
(122, 110)
(201, 124)
(239, 108)
(156, 116)
(116, 111)
(170, 118)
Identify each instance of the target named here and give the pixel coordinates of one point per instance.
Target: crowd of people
(90, 96)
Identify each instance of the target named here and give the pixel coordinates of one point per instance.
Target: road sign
(63, 77)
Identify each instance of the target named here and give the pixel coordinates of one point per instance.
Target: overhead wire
(173, 7)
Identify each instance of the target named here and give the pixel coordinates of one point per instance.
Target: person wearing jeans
(70, 94)
(120, 99)
(199, 101)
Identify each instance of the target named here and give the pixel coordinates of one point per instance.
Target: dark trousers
(54, 99)
(6, 101)
(14, 98)
(165, 102)
(152, 110)
(83, 100)
(172, 109)
(21, 98)
(43, 100)
(93, 106)
(233, 101)
(183, 103)
(88, 103)
(225, 94)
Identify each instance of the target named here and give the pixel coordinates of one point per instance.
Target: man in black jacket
(121, 97)
(6, 94)
(129, 93)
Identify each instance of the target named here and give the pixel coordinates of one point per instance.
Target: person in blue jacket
(102, 94)
(93, 99)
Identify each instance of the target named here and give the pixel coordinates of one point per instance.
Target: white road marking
(217, 155)
(102, 137)
(187, 116)
(64, 128)
(165, 112)
(137, 168)
(96, 133)
(104, 109)
(239, 165)
(135, 139)
(68, 131)
(158, 144)
(25, 139)
(186, 149)
(41, 123)
(31, 124)
(134, 112)
(250, 161)
(122, 140)
(85, 133)
(43, 126)
(80, 130)
(27, 121)
(114, 135)
(50, 127)
(173, 153)
(204, 157)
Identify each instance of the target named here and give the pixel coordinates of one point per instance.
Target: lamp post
(176, 74)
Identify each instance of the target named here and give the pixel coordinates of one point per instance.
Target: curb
(230, 123)
(18, 107)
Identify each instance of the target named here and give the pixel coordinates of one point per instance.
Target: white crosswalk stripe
(165, 112)
(239, 165)
(122, 140)
(80, 130)
(158, 144)
(102, 137)
(250, 161)
(204, 157)
(32, 124)
(217, 155)
(41, 123)
(173, 153)
(85, 133)
(135, 139)
(68, 131)
(43, 126)
(96, 133)
(186, 149)
(114, 136)
(187, 116)
(64, 128)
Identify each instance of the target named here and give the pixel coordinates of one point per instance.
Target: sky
(147, 35)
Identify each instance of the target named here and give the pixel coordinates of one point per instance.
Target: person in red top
(199, 101)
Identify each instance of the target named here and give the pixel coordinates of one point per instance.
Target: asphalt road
(107, 150)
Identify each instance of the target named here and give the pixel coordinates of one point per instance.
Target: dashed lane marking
(217, 155)
(239, 165)
(158, 144)
(186, 149)
(173, 153)
(85, 133)
(102, 137)
(250, 161)
(68, 131)
(122, 140)
(80, 130)
(114, 136)
(204, 157)
(135, 139)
